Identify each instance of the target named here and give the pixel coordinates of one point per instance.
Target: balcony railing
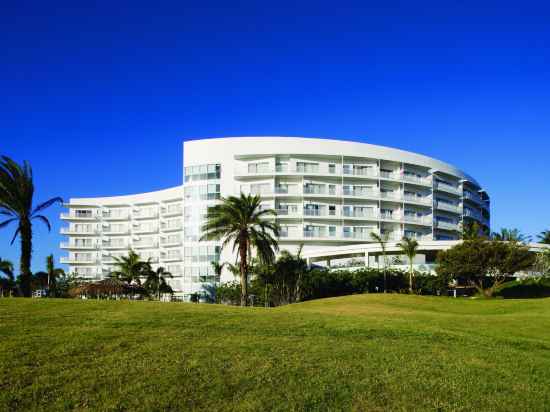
(74, 216)
(447, 188)
(360, 214)
(80, 260)
(172, 211)
(111, 215)
(72, 245)
(447, 207)
(446, 225)
(472, 196)
(145, 215)
(356, 235)
(70, 231)
(417, 199)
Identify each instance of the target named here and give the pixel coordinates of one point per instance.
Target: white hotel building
(328, 194)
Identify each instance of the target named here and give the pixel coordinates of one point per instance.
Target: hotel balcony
(287, 213)
(112, 231)
(473, 197)
(112, 215)
(144, 245)
(115, 245)
(79, 217)
(72, 245)
(171, 211)
(69, 260)
(169, 257)
(145, 229)
(447, 207)
(423, 200)
(357, 236)
(70, 231)
(356, 214)
(171, 228)
(443, 187)
(446, 225)
(418, 220)
(169, 243)
(142, 215)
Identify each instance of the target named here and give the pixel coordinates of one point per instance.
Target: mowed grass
(362, 352)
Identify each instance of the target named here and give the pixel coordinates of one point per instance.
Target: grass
(362, 352)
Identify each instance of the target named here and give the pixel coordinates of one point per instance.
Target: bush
(527, 288)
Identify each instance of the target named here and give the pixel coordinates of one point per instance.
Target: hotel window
(348, 169)
(83, 213)
(332, 168)
(202, 172)
(332, 231)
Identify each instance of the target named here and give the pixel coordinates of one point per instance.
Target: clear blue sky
(99, 96)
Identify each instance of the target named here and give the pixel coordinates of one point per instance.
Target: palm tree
(16, 202)
(155, 282)
(382, 241)
(544, 237)
(409, 247)
(470, 230)
(6, 267)
(510, 235)
(240, 221)
(130, 268)
(51, 274)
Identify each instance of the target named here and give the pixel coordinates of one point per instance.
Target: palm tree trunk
(243, 269)
(26, 253)
(411, 279)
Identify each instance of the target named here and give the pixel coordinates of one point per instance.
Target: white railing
(69, 231)
(417, 199)
(446, 225)
(447, 188)
(72, 245)
(447, 207)
(472, 196)
(74, 216)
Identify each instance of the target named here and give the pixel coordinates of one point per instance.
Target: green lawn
(362, 352)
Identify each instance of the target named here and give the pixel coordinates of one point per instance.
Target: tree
(240, 221)
(282, 281)
(50, 275)
(510, 235)
(544, 237)
(130, 269)
(382, 241)
(7, 283)
(542, 262)
(478, 261)
(409, 248)
(471, 231)
(16, 202)
(155, 282)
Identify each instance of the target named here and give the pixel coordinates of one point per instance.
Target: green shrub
(527, 288)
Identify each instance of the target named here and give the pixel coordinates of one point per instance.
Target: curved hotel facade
(327, 193)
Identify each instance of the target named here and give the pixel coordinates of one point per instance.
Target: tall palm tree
(6, 267)
(241, 222)
(510, 235)
(130, 269)
(544, 237)
(156, 283)
(382, 240)
(409, 248)
(16, 202)
(51, 274)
